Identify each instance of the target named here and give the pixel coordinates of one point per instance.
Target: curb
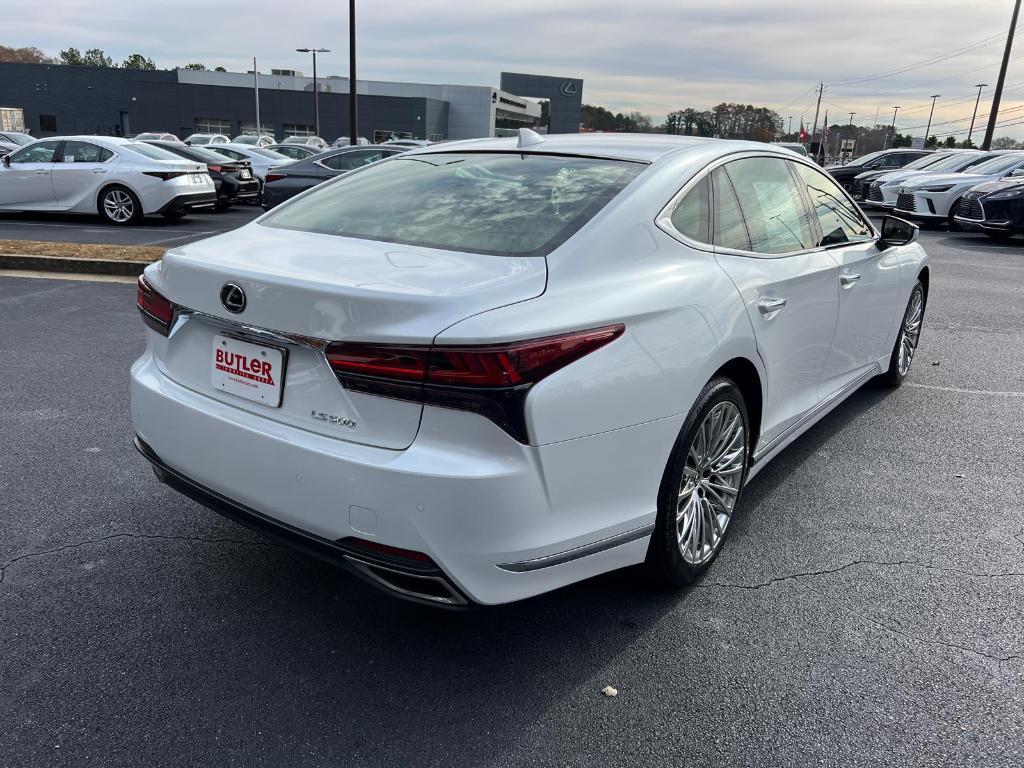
(80, 266)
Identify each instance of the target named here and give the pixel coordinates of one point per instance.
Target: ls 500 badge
(330, 418)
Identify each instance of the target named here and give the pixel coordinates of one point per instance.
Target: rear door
(79, 171)
(765, 240)
(868, 282)
(25, 183)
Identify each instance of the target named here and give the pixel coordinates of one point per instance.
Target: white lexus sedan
(483, 370)
(119, 179)
(932, 197)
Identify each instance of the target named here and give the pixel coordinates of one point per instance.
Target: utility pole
(353, 129)
(821, 90)
(994, 111)
(892, 130)
(256, 89)
(316, 88)
(851, 117)
(979, 86)
(932, 112)
(790, 125)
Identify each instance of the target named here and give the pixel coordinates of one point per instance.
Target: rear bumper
(188, 201)
(502, 521)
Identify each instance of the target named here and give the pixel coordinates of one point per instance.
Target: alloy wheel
(711, 483)
(910, 334)
(119, 206)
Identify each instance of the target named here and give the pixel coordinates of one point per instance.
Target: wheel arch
(924, 276)
(115, 183)
(747, 378)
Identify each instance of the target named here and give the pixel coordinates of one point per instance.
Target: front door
(765, 241)
(25, 183)
(868, 282)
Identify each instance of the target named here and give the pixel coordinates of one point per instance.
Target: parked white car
(883, 190)
(260, 158)
(251, 139)
(313, 141)
(343, 141)
(483, 370)
(120, 179)
(199, 139)
(933, 196)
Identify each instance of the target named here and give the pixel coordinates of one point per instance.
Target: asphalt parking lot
(867, 609)
(152, 230)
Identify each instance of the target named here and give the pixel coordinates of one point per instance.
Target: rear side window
(692, 217)
(495, 203)
(838, 219)
(730, 230)
(84, 152)
(773, 210)
(148, 150)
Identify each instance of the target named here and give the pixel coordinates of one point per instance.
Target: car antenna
(528, 138)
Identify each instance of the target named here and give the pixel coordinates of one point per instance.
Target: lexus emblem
(232, 297)
(568, 88)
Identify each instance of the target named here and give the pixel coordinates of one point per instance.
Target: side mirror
(897, 232)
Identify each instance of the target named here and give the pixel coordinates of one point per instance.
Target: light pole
(256, 90)
(316, 88)
(892, 129)
(927, 130)
(790, 125)
(979, 86)
(353, 121)
(993, 111)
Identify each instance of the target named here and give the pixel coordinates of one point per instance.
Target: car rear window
(154, 153)
(495, 203)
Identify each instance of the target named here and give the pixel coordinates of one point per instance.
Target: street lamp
(316, 89)
(979, 86)
(892, 130)
(927, 130)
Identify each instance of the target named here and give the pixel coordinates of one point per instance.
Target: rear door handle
(40, 172)
(770, 307)
(848, 280)
(98, 170)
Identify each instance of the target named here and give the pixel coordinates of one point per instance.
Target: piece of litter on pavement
(609, 691)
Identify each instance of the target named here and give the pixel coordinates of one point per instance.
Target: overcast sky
(647, 55)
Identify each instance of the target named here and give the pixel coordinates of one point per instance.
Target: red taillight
(386, 549)
(214, 168)
(165, 175)
(274, 177)
(157, 311)
(492, 380)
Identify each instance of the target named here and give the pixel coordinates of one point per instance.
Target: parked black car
(295, 151)
(233, 179)
(286, 181)
(885, 160)
(995, 208)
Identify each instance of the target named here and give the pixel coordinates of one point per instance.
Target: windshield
(154, 153)
(998, 164)
(493, 203)
(867, 158)
(923, 162)
(268, 153)
(19, 138)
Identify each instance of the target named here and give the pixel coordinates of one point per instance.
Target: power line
(951, 55)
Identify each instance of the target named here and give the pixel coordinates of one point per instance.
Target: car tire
(120, 206)
(907, 339)
(702, 485)
(951, 220)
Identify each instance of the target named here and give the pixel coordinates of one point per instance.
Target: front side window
(775, 215)
(83, 152)
(692, 216)
(42, 152)
(502, 204)
(838, 219)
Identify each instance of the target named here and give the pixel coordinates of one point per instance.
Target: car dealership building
(64, 100)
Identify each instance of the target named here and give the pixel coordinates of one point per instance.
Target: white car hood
(958, 179)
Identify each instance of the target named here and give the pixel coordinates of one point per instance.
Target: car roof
(642, 147)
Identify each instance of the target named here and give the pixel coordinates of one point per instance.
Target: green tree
(94, 57)
(71, 56)
(196, 66)
(950, 141)
(1005, 142)
(221, 69)
(138, 61)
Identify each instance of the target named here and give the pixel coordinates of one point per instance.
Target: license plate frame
(247, 382)
(197, 178)
(245, 173)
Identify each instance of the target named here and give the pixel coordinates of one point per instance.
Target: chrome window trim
(663, 220)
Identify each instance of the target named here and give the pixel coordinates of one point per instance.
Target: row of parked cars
(123, 180)
(968, 189)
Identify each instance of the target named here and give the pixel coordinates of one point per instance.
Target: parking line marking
(965, 391)
(67, 276)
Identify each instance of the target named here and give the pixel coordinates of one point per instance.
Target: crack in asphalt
(829, 571)
(144, 536)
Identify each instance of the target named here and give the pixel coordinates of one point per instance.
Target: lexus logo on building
(568, 88)
(232, 297)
